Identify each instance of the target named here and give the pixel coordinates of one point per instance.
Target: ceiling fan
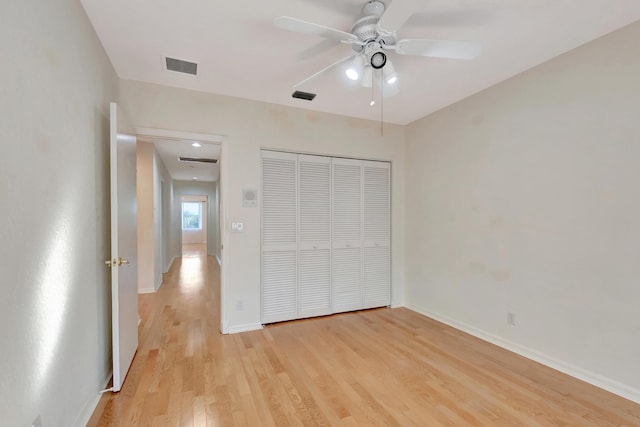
(372, 37)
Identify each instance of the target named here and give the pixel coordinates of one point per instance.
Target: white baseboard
(592, 378)
(90, 407)
(244, 328)
(170, 265)
(151, 290)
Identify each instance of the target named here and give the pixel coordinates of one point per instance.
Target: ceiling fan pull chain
(381, 105)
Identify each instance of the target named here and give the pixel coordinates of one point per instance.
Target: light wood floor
(378, 367)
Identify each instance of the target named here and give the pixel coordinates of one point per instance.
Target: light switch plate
(237, 227)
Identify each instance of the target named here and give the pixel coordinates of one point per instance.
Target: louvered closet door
(314, 244)
(279, 237)
(377, 234)
(346, 268)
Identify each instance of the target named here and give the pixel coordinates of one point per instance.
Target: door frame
(223, 142)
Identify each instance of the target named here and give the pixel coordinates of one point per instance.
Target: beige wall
(524, 199)
(55, 315)
(154, 233)
(162, 232)
(146, 232)
(250, 126)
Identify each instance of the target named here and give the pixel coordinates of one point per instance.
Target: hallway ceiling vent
(197, 159)
(181, 66)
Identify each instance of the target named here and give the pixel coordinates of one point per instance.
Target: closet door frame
(338, 248)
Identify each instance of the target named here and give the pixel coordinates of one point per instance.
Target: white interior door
(123, 263)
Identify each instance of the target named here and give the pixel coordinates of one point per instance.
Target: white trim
(88, 410)
(224, 236)
(219, 260)
(154, 289)
(170, 265)
(592, 378)
(244, 328)
(172, 134)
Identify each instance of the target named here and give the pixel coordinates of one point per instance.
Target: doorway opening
(192, 166)
(194, 223)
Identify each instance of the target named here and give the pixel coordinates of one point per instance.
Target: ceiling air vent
(197, 159)
(181, 66)
(304, 95)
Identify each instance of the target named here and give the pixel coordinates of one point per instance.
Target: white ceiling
(240, 53)
(170, 149)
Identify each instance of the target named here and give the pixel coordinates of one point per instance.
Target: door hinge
(116, 262)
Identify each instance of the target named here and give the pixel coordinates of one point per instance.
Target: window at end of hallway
(191, 216)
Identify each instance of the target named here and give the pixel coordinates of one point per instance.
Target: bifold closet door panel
(279, 237)
(346, 266)
(377, 233)
(314, 244)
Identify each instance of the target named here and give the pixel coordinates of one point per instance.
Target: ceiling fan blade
(396, 13)
(324, 70)
(300, 26)
(438, 48)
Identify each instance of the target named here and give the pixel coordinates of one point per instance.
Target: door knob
(122, 261)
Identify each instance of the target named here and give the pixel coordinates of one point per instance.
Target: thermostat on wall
(249, 197)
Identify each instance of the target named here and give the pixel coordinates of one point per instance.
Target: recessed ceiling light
(195, 178)
(196, 144)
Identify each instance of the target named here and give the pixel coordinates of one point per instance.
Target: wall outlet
(37, 422)
(237, 227)
(239, 305)
(511, 319)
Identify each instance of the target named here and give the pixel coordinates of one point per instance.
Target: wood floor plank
(384, 367)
